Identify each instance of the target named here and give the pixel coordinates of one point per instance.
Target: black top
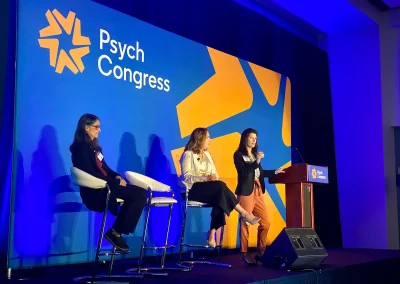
(246, 174)
(84, 158)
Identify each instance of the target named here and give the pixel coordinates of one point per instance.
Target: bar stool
(196, 204)
(81, 178)
(154, 186)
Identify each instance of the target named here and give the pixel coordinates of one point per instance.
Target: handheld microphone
(301, 157)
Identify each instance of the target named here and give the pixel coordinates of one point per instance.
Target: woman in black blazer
(250, 190)
(87, 156)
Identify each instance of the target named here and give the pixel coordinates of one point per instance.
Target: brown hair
(196, 141)
(81, 134)
(243, 142)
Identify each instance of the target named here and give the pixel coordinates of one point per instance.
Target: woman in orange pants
(250, 190)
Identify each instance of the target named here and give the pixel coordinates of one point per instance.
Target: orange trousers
(254, 203)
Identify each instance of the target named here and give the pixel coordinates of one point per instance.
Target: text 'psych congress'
(108, 67)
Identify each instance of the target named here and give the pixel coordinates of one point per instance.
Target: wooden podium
(298, 180)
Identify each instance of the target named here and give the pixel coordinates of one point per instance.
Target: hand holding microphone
(260, 155)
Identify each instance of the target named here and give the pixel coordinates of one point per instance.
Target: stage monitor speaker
(295, 248)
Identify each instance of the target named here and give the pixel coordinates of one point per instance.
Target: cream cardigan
(190, 165)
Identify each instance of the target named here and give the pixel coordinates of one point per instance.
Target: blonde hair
(196, 140)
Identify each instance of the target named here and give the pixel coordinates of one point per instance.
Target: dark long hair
(243, 142)
(196, 140)
(80, 133)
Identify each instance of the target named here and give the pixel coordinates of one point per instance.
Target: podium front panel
(308, 219)
(299, 205)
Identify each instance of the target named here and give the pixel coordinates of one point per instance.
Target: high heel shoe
(248, 260)
(248, 221)
(259, 255)
(212, 244)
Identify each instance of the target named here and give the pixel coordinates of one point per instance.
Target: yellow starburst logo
(314, 173)
(59, 58)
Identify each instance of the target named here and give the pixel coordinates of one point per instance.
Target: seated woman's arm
(109, 171)
(188, 173)
(81, 160)
(213, 168)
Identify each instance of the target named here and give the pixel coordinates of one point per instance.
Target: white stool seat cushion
(119, 200)
(163, 200)
(146, 182)
(196, 203)
(82, 178)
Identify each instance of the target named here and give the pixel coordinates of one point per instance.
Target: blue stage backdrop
(150, 88)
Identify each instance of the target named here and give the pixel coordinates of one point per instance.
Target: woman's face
(93, 130)
(207, 141)
(251, 140)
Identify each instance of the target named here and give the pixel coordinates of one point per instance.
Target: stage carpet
(341, 266)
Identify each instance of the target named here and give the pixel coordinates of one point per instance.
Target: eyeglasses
(96, 126)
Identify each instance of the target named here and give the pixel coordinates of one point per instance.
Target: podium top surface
(302, 173)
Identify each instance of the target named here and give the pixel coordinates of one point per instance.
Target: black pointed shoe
(116, 240)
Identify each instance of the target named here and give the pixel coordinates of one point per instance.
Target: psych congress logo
(59, 58)
(314, 173)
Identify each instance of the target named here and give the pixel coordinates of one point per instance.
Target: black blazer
(84, 158)
(246, 175)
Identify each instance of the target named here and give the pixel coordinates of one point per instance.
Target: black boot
(116, 240)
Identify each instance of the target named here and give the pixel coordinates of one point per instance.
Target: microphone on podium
(301, 157)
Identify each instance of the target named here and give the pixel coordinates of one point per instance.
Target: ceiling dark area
(385, 5)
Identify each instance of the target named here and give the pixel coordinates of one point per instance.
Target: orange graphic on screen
(59, 58)
(231, 93)
(224, 95)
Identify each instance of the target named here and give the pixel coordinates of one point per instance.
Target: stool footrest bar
(107, 279)
(145, 271)
(206, 262)
(158, 268)
(154, 248)
(113, 253)
(198, 246)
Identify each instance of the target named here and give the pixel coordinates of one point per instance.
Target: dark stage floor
(341, 266)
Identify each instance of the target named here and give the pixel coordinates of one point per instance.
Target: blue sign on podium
(317, 174)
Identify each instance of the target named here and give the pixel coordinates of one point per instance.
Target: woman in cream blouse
(200, 178)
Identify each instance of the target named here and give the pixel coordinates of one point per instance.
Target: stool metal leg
(179, 267)
(162, 267)
(182, 244)
(110, 267)
(182, 234)
(144, 237)
(148, 270)
(101, 236)
(105, 278)
(219, 247)
(139, 270)
(166, 237)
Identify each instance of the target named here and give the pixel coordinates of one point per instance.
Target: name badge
(246, 159)
(100, 156)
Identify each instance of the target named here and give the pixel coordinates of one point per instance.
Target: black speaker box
(295, 248)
